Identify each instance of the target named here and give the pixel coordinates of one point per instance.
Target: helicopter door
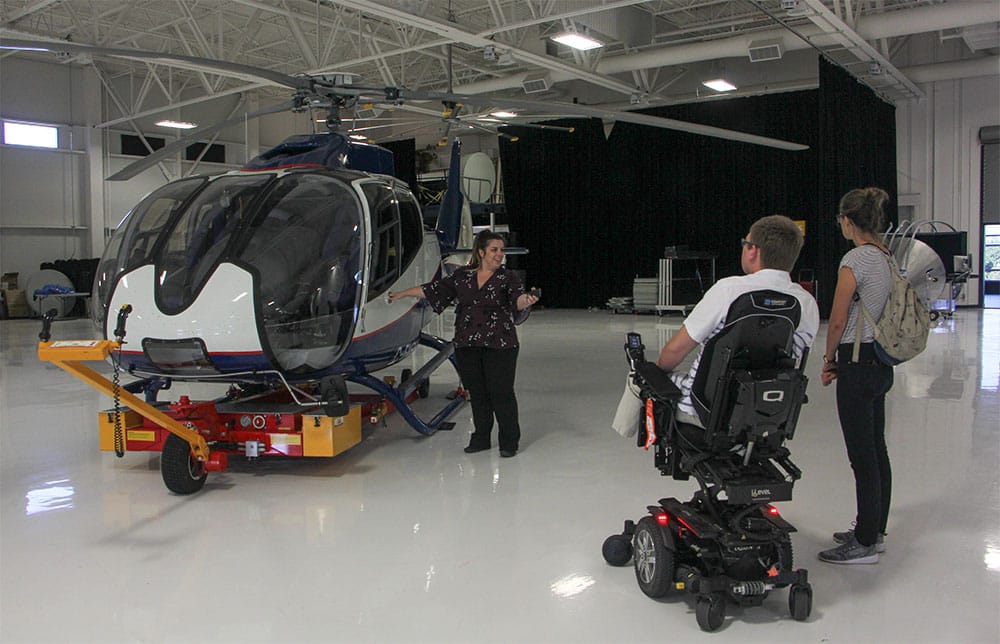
(305, 249)
(397, 234)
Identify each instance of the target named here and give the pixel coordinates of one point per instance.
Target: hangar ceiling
(655, 52)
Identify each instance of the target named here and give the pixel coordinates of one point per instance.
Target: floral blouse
(484, 317)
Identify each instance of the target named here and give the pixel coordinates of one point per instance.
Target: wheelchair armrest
(657, 382)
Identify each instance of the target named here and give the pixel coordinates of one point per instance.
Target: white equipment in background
(938, 265)
(63, 303)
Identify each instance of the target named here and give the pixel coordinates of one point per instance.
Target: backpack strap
(863, 312)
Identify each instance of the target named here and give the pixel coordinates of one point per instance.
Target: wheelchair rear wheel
(654, 562)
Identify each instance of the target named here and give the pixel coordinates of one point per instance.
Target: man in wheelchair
(725, 421)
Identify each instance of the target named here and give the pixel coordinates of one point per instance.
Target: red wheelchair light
(663, 518)
(772, 510)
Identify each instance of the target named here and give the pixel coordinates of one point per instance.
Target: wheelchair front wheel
(710, 611)
(654, 562)
(800, 600)
(617, 550)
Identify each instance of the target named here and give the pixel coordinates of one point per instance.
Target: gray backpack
(901, 332)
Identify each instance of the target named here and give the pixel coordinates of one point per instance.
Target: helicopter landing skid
(399, 396)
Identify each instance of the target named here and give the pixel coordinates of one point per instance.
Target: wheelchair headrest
(758, 334)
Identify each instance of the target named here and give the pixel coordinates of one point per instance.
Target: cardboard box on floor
(8, 281)
(17, 303)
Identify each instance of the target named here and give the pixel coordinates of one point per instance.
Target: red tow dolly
(274, 422)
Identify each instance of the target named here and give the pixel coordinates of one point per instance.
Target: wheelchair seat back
(748, 385)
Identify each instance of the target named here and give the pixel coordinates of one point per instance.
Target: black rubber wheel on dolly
(800, 601)
(182, 474)
(710, 611)
(617, 550)
(653, 561)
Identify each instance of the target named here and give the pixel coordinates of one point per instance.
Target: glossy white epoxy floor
(407, 539)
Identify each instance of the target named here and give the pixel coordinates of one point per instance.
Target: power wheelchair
(728, 543)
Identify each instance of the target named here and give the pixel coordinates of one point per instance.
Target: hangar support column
(94, 142)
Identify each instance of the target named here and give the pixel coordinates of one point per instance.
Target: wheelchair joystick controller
(635, 350)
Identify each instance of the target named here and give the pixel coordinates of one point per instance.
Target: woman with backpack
(864, 278)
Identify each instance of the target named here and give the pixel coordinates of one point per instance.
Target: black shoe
(507, 453)
(472, 449)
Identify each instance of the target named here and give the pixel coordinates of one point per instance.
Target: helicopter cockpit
(300, 235)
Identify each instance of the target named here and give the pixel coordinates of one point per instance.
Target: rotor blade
(135, 168)
(625, 117)
(541, 126)
(246, 72)
(384, 125)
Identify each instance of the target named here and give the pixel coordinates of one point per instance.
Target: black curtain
(404, 160)
(596, 211)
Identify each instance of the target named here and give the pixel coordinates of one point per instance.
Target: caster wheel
(934, 316)
(617, 550)
(710, 611)
(800, 601)
(653, 561)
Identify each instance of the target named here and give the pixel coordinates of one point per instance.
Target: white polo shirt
(709, 317)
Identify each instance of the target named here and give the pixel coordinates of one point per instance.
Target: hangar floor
(407, 539)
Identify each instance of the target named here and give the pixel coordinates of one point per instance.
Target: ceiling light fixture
(719, 85)
(579, 41)
(359, 137)
(180, 125)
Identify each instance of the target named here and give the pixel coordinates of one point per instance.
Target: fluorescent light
(359, 137)
(577, 41)
(502, 114)
(180, 125)
(719, 85)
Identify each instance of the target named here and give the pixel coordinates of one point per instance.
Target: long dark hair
(483, 239)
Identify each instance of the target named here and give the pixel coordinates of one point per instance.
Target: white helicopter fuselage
(293, 281)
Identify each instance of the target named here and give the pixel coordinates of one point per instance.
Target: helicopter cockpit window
(133, 241)
(199, 237)
(386, 254)
(411, 226)
(305, 247)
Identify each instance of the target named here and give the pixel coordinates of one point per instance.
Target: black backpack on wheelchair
(728, 542)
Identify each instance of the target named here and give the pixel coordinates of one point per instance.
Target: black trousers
(861, 390)
(488, 374)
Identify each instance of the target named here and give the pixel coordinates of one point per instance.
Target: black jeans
(861, 390)
(488, 374)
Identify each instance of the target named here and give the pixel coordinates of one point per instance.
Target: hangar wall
(938, 157)
(45, 195)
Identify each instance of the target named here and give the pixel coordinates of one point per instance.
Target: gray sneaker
(850, 552)
(847, 535)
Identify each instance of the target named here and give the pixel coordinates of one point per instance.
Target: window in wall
(133, 146)
(29, 134)
(216, 152)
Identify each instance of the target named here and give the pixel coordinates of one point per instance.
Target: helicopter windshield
(201, 234)
(306, 248)
(132, 243)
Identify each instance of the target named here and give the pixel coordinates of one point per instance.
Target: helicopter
(273, 279)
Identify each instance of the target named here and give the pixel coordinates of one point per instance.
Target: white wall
(938, 156)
